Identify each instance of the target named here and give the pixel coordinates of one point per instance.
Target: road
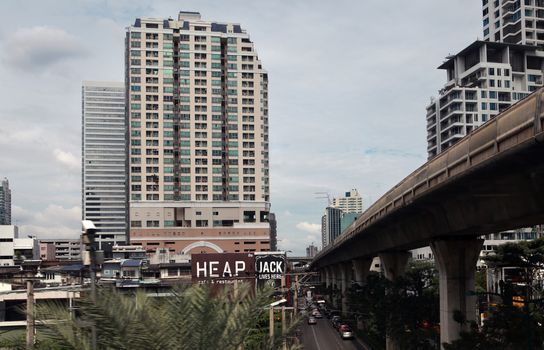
(322, 336)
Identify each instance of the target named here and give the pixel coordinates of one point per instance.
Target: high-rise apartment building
(197, 100)
(331, 225)
(514, 21)
(104, 161)
(482, 80)
(5, 203)
(351, 202)
(311, 251)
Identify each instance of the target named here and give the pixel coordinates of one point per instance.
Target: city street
(323, 336)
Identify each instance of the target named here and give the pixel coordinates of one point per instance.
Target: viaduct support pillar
(456, 260)
(334, 278)
(361, 268)
(394, 266)
(345, 276)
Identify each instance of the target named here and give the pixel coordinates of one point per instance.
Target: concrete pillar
(456, 260)
(334, 278)
(361, 268)
(327, 274)
(345, 282)
(394, 266)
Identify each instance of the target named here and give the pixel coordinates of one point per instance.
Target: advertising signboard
(270, 266)
(223, 268)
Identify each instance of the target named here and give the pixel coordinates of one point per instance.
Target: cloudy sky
(349, 82)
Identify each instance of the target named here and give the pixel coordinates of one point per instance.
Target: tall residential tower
(5, 203)
(514, 21)
(104, 161)
(198, 108)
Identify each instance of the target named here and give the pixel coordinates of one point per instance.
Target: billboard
(223, 268)
(270, 266)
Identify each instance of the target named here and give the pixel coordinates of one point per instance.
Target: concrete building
(5, 203)
(15, 250)
(330, 225)
(273, 232)
(47, 251)
(198, 110)
(104, 161)
(483, 80)
(311, 251)
(65, 249)
(351, 202)
(514, 21)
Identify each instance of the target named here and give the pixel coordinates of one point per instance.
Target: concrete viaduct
(492, 180)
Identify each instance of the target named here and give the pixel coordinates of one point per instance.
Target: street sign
(222, 268)
(270, 266)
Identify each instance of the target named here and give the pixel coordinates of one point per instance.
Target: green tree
(196, 317)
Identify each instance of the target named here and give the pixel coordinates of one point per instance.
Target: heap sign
(222, 268)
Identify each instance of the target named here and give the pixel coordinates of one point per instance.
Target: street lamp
(271, 315)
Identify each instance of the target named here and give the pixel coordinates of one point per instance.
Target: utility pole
(30, 325)
(88, 235)
(271, 322)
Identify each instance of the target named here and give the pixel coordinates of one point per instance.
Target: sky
(348, 85)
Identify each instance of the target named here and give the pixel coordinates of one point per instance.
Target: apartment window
(152, 223)
(135, 224)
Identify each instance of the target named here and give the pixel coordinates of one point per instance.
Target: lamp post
(88, 235)
(271, 316)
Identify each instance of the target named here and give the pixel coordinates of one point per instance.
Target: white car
(312, 320)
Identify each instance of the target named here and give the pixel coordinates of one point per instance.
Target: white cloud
(68, 159)
(54, 221)
(37, 48)
(309, 227)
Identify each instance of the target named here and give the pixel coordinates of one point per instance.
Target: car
(335, 321)
(318, 315)
(312, 320)
(345, 331)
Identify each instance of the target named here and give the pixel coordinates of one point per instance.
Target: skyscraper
(514, 21)
(104, 161)
(482, 80)
(5, 203)
(198, 111)
(351, 202)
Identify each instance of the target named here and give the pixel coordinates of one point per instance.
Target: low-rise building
(65, 249)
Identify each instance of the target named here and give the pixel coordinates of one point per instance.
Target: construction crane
(324, 195)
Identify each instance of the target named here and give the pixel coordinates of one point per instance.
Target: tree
(407, 309)
(196, 317)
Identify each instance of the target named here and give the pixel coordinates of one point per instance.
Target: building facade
(15, 250)
(104, 161)
(483, 80)
(197, 101)
(64, 249)
(311, 251)
(331, 225)
(5, 203)
(514, 21)
(351, 202)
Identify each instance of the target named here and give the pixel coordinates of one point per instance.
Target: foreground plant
(193, 318)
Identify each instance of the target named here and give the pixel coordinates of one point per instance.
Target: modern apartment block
(330, 225)
(15, 250)
(5, 203)
(197, 100)
(64, 249)
(311, 251)
(104, 161)
(514, 21)
(351, 202)
(483, 80)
